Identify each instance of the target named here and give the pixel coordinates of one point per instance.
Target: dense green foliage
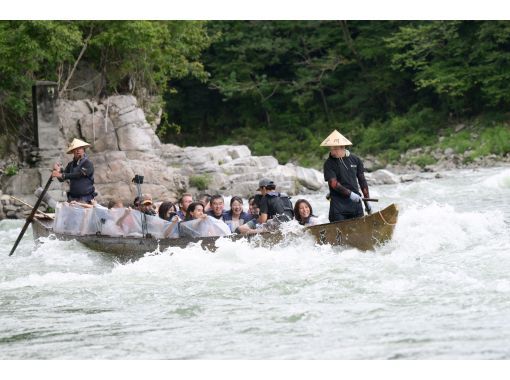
(281, 87)
(146, 54)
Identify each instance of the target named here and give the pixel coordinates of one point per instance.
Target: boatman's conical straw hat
(336, 139)
(77, 143)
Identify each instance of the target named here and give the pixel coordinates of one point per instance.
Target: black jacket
(81, 177)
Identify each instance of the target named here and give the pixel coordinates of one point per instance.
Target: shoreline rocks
(125, 144)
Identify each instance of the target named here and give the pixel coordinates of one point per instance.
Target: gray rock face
(381, 177)
(125, 144)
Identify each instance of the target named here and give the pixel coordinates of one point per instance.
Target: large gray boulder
(125, 144)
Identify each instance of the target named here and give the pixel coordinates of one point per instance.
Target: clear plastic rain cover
(75, 220)
(204, 227)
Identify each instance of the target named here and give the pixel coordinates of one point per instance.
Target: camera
(138, 179)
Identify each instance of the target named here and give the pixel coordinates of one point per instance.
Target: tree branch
(84, 47)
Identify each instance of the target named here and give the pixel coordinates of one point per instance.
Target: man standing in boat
(343, 171)
(79, 172)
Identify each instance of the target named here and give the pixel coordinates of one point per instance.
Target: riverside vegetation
(279, 87)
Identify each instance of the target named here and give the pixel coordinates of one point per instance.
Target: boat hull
(364, 233)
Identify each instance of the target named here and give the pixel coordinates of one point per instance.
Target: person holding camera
(79, 172)
(167, 211)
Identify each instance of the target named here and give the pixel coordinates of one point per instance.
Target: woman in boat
(304, 213)
(195, 211)
(343, 171)
(167, 211)
(198, 224)
(236, 216)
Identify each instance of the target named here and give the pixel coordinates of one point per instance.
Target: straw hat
(77, 143)
(336, 139)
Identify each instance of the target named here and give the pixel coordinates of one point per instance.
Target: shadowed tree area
(280, 87)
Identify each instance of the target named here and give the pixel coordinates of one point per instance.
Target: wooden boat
(363, 233)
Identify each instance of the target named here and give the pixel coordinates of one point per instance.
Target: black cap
(264, 182)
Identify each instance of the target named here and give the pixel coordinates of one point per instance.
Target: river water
(439, 290)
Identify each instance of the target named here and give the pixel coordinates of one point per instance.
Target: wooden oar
(31, 216)
(29, 205)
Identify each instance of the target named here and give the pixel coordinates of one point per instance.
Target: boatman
(79, 172)
(343, 171)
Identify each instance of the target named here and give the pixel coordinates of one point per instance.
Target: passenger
(253, 208)
(146, 205)
(198, 224)
(275, 208)
(115, 203)
(111, 221)
(79, 172)
(195, 211)
(217, 206)
(252, 226)
(205, 199)
(184, 203)
(304, 214)
(272, 204)
(167, 211)
(236, 216)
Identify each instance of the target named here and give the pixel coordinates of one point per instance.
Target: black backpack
(287, 205)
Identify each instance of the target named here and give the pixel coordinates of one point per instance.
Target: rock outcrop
(125, 144)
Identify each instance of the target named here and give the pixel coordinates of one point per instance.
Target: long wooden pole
(29, 205)
(31, 216)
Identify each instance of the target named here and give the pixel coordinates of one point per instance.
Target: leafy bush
(415, 129)
(201, 182)
(481, 140)
(423, 160)
(11, 170)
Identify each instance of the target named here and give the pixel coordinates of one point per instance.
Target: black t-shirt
(347, 170)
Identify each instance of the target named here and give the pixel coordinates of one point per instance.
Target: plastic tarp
(204, 227)
(76, 220)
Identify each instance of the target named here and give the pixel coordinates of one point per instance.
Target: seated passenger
(236, 216)
(253, 208)
(304, 214)
(195, 211)
(275, 208)
(115, 203)
(217, 205)
(197, 224)
(167, 211)
(252, 226)
(184, 202)
(146, 205)
(205, 199)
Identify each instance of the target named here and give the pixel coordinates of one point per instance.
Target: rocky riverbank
(124, 143)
